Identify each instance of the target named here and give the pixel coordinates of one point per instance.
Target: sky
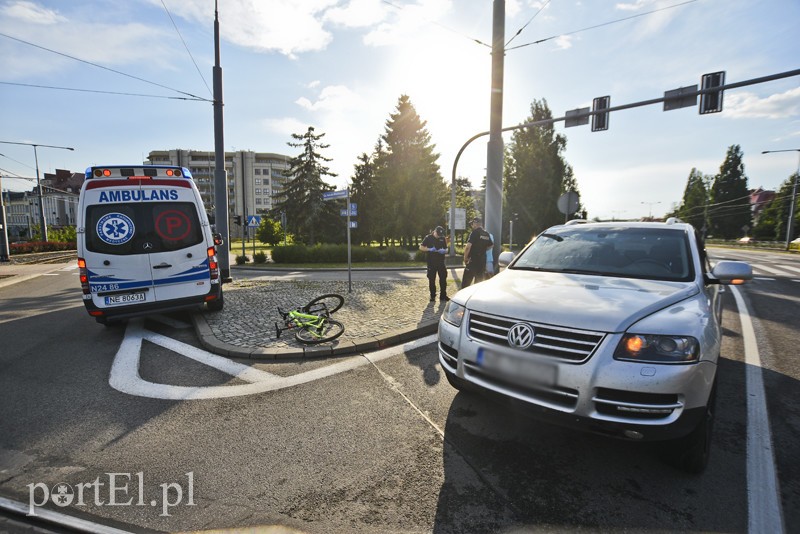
(341, 66)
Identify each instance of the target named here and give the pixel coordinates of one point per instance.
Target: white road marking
(791, 268)
(125, 375)
(763, 499)
(771, 270)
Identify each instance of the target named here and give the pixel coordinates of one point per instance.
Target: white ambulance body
(144, 243)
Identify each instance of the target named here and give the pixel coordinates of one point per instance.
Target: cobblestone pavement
(376, 314)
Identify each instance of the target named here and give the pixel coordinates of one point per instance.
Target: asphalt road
(370, 443)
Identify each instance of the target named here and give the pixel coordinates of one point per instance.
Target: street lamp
(650, 205)
(790, 222)
(42, 221)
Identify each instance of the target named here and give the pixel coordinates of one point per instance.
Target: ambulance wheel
(218, 303)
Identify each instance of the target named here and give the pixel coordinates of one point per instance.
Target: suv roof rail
(575, 221)
(673, 220)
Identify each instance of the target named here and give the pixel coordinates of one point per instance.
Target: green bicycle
(313, 321)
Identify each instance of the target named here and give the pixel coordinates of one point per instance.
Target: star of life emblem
(115, 228)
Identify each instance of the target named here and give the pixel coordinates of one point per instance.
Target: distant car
(746, 240)
(613, 328)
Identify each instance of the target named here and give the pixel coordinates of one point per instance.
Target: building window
(258, 181)
(258, 191)
(257, 171)
(258, 201)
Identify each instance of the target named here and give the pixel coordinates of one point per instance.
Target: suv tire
(691, 452)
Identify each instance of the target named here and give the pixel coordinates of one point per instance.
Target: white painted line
(763, 278)
(771, 270)
(791, 268)
(763, 499)
(49, 274)
(125, 376)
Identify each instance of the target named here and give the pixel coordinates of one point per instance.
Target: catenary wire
(527, 23)
(601, 25)
(473, 39)
(102, 67)
(186, 47)
(194, 99)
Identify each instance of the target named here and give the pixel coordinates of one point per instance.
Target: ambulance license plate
(127, 298)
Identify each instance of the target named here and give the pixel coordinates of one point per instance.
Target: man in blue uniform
(435, 245)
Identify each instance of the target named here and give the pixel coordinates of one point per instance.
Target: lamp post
(42, 221)
(790, 222)
(650, 205)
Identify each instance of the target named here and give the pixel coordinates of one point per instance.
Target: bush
(337, 254)
(241, 260)
(395, 254)
(259, 257)
(39, 246)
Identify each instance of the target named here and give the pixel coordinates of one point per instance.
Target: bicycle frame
(298, 319)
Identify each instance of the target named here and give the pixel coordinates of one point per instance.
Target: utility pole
(493, 218)
(220, 179)
(5, 254)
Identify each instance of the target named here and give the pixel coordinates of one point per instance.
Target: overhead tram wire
(601, 25)
(186, 47)
(194, 97)
(527, 23)
(461, 34)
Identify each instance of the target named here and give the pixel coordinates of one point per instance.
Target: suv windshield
(142, 228)
(653, 253)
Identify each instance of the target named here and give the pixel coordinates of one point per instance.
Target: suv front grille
(557, 342)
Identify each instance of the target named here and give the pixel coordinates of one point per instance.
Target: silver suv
(612, 328)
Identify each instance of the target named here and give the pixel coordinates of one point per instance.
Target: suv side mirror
(731, 272)
(505, 258)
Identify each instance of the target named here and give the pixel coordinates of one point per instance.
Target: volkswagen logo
(520, 336)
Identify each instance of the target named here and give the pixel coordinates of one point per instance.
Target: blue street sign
(330, 195)
(253, 221)
(353, 224)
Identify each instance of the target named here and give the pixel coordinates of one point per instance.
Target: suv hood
(600, 303)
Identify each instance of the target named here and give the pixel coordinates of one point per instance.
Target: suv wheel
(691, 452)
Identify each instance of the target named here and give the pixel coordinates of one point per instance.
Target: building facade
(60, 191)
(253, 178)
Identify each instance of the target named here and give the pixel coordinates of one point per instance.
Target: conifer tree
(729, 212)
(301, 199)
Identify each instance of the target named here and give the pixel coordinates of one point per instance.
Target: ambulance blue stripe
(204, 275)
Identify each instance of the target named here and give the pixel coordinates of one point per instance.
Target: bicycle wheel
(329, 303)
(329, 331)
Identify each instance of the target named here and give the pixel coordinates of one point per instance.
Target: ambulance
(144, 243)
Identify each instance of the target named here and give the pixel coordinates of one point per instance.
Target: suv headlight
(454, 313)
(649, 348)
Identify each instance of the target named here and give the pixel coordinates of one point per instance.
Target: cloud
(750, 106)
(407, 21)
(358, 13)
(285, 126)
(30, 13)
(333, 98)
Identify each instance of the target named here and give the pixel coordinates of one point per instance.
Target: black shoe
(444, 298)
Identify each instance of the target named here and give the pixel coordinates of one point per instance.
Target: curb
(339, 348)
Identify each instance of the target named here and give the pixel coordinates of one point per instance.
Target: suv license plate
(517, 367)
(127, 298)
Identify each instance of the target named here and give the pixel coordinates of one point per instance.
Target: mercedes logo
(520, 336)
(147, 246)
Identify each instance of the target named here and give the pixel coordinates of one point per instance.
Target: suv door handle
(162, 266)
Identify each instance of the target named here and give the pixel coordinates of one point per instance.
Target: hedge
(39, 246)
(336, 254)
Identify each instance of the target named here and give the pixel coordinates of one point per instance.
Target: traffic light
(600, 121)
(712, 102)
(237, 219)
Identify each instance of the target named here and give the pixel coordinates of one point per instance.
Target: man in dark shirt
(475, 254)
(435, 245)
